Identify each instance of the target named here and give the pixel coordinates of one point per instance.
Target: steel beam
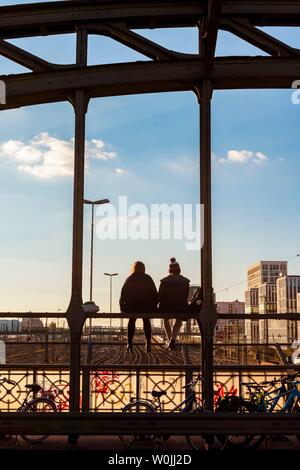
(105, 80)
(243, 29)
(255, 72)
(251, 369)
(135, 41)
(23, 58)
(210, 27)
(220, 316)
(75, 314)
(80, 108)
(60, 424)
(64, 17)
(148, 77)
(265, 12)
(208, 315)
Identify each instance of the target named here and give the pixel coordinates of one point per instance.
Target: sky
(145, 147)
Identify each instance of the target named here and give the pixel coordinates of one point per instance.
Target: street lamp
(111, 275)
(93, 204)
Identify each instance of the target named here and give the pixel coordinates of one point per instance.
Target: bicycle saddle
(158, 394)
(34, 387)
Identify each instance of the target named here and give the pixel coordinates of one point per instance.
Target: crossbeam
(256, 37)
(103, 315)
(179, 424)
(64, 17)
(23, 58)
(122, 34)
(148, 77)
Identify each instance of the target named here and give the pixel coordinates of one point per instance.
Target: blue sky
(145, 147)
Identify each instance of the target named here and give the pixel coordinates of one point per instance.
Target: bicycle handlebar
(193, 382)
(289, 378)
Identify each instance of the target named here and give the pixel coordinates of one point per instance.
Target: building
(261, 297)
(31, 324)
(288, 290)
(265, 272)
(298, 303)
(230, 330)
(10, 326)
(252, 300)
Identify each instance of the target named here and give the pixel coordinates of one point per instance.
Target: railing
(106, 389)
(109, 389)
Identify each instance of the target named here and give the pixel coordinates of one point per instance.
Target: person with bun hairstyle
(173, 298)
(138, 295)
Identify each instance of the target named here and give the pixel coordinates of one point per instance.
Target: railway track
(27, 353)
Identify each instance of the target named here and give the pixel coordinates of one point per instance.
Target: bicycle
(144, 405)
(262, 400)
(43, 403)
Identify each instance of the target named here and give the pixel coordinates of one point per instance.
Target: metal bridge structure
(163, 70)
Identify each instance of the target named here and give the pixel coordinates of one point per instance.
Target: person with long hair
(138, 295)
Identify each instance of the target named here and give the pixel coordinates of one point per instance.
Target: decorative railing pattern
(109, 390)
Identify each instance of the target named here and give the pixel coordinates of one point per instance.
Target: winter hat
(174, 267)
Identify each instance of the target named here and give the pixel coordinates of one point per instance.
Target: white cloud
(242, 157)
(183, 165)
(47, 157)
(119, 171)
(96, 149)
(260, 157)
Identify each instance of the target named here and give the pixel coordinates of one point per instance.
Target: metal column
(208, 315)
(75, 314)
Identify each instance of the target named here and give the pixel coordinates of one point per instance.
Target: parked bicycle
(37, 400)
(277, 395)
(189, 405)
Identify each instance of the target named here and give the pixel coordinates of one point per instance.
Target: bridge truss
(163, 70)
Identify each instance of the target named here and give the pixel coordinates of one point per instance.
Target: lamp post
(93, 204)
(111, 275)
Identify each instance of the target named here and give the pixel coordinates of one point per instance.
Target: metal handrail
(220, 316)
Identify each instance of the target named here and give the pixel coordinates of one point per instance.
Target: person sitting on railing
(172, 296)
(139, 295)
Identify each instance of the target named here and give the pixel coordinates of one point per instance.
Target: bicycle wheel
(38, 405)
(137, 407)
(238, 405)
(197, 442)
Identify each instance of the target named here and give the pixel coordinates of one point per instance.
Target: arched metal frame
(166, 71)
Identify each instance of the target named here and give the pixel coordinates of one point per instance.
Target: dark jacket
(173, 294)
(138, 294)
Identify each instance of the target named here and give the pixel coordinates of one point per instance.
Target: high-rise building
(265, 272)
(298, 303)
(261, 297)
(252, 300)
(288, 288)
